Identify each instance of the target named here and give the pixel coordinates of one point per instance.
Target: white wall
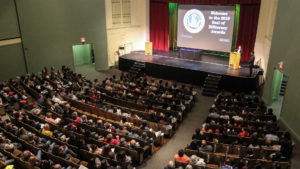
(132, 36)
(264, 33)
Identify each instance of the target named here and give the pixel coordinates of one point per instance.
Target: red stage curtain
(247, 29)
(159, 25)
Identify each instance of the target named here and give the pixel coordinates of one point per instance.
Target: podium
(234, 60)
(148, 48)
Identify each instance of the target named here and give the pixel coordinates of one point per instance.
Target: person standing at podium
(251, 62)
(239, 50)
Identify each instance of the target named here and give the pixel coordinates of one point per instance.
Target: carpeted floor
(186, 129)
(183, 135)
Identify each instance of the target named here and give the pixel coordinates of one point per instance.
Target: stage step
(137, 69)
(283, 86)
(207, 85)
(211, 85)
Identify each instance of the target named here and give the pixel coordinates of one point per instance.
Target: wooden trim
(10, 41)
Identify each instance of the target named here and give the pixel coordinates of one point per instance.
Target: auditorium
(149, 84)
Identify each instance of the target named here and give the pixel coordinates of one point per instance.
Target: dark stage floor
(208, 63)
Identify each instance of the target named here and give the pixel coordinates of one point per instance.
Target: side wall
(49, 29)
(11, 53)
(8, 20)
(12, 62)
(285, 47)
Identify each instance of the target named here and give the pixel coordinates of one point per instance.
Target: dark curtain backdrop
(247, 29)
(249, 12)
(159, 25)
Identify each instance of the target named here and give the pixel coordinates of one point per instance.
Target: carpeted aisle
(183, 135)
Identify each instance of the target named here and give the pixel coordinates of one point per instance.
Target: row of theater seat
(90, 110)
(238, 132)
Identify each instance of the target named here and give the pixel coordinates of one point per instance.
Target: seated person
(244, 133)
(146, 138)
(135, 145)
(46, 130)
(170, 165)
(41, 100)
(254, 143)
(7, 144)
(109, 139)
(181, 157)
(63, 151)
(95, 163)
(123, 131)
(195, 160)
(6, 159)
(144, 126)
(95, 149)
(57, 99)
(205, 147)
(197, 134)
(271, 136)
(227, 165)
(49, 119)
(194, 145)
(123, 157)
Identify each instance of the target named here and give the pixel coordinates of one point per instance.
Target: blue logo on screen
(194, 21)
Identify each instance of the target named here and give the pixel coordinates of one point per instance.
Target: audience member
(181, 157)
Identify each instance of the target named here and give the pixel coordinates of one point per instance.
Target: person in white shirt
(56, 98)
(195, 160)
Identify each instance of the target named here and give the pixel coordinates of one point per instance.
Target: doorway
(279, 85)
(84, 59)
(83, 54)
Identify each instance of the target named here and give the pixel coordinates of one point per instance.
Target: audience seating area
(59, 119)
(239, 132)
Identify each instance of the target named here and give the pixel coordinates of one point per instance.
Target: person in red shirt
(76, 118)
(111, 140)
(49, 119)
(244, 133)
(181, 157)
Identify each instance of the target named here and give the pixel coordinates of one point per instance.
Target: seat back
(16, 152)
(178, 164)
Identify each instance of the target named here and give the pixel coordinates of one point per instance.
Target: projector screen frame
(231, 12)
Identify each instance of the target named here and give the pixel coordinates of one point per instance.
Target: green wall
(8, 20)
(285, 47)
(11, 62)
(51, 27)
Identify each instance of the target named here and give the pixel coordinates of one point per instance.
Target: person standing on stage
(251, 62)
(239, 50)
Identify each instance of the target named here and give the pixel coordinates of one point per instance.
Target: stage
(168, 65)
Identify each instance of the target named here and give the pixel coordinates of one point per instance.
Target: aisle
(183, 135)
